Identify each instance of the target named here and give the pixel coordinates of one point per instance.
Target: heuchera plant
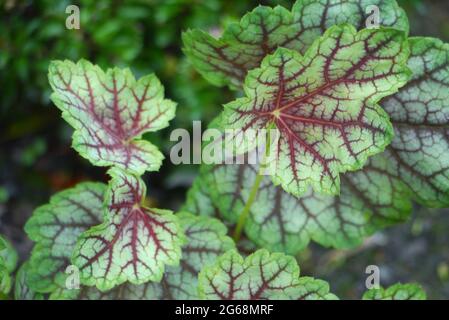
(117, 243)
(337, 97)
(362, 118)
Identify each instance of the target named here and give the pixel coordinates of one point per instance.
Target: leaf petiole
(244, 214)
(255, 187)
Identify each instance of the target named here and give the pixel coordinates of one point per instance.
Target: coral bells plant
(370, 103)
(362, 116)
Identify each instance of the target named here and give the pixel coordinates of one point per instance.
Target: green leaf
(420, 115)
(8, 254)
(55, 228)
(259, 276)
(323, 104)
(110, 111)
(398, 291)
(243, 45)
(134, 243)
(22, 290)
(206, 240)
(226, 61)
(8, 261)
(126, 291)
(199, 199)
(279, 221)
(5, 281)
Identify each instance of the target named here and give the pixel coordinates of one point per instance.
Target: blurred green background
(145, 35)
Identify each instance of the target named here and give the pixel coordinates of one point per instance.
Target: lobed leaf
(55, 228)
(8, 262)
(198, 199)
(410, 291)
(125, 291)
(279, 221)
(259, 276)
(5, 280)
(243, 45)
(22, 290)
(110, 111)
(420, 115)
(206, 241)
(133, 244)
(8, 254)
(323, 104)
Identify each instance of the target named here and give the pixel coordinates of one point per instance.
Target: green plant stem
(253, 193)
(245, 212)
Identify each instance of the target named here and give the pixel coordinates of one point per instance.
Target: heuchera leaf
(22, 290)
(279, 221)
(410, 291)
(206, 240)
(323, 104)
(420, 116)
(198, 197)
(414, 167)
(55, 228)
(243, 45)
(5, 280)
(126, 291)
(8, 261)
(259, 276)
(134, 242)
(8, 254)
(109, 112)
